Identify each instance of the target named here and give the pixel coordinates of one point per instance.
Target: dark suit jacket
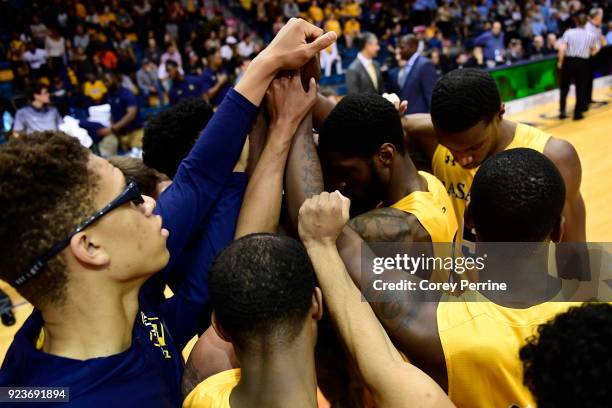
(358, 80)
(418, 86)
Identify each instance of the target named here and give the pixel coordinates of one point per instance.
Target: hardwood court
(592, 138)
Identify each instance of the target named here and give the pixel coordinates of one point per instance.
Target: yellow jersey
(481, 342)
(458, 180)
(433, 209)
(213, 392)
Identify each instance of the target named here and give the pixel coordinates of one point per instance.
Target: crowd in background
(71, 43)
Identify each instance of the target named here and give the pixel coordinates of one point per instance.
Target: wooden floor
(592, 138)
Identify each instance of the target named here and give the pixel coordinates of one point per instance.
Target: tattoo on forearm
(312, 177)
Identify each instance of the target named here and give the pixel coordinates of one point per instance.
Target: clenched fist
(322, 218)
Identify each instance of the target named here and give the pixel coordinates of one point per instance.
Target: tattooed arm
(303, 174)
(410, 321)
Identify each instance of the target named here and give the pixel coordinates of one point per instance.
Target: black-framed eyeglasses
(130, 194)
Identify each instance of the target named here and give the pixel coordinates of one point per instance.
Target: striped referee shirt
(579, 42)
(594, 30)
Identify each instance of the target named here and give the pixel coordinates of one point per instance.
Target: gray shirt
(30, 119)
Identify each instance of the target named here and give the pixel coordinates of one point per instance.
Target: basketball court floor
(592, 138)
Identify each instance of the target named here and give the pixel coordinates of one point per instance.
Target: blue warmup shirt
(189, 87)
(200, 210)
(209, 79)
(120, 101)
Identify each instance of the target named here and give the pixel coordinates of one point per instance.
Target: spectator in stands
(152, 53)
(37, 60)
(171, 54)
(414, 78)
(126, 124)
(38, 116)
(147, 80)
(363, 75)
(492, 42)
(329, 57)
(609, 34)
(246, 46)
(38, 30)
(182, 86)
(352, 29)
(552, 44)
(215, 78)
(55, 46)
(515, 50)
(94, 88)
(477, 59)
(81, 37)
(316, 13)
(538, 48)
(332, 24)
(290, 9)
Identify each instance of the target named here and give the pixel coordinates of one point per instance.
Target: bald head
(408, 44)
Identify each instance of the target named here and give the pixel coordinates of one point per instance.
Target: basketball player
(467, 126)
(363, 156)
(470, 345)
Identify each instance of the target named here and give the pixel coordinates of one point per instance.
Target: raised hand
(287, 102)
(322, 218)
(296, 43)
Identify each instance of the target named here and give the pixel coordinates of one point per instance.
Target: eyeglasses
(130, 194)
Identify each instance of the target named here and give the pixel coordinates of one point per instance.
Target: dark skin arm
(411, 325)
(419, 134)
(129, 116)
(565, 157)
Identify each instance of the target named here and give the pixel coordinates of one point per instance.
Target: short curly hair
(568, 363)
(262, 284)
(359, 124)
(462, 98)
(170, 135)
(46, 190)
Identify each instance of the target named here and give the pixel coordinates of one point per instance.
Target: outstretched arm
(287, 104)
(393, 382)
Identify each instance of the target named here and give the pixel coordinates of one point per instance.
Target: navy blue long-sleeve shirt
(203, 201)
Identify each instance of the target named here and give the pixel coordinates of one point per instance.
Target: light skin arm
(393, 382)
(287, 104)
(561, 55)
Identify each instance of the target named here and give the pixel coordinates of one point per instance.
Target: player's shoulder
(389, 225)
(561, 152)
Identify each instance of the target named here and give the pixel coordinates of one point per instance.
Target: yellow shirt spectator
(316, 13)
(352, 27)
(106, 18)
(332, 24)
(80, 10)
(95, 90)
(352, 10)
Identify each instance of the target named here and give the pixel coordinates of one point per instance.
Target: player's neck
(277, 377)
(507, 130)
(405, 179)
(93, 323)
(524, 269)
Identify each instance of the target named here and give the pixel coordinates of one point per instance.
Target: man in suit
(363, 75)
(415, 77)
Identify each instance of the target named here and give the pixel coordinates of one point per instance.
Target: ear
(218, 329)
(502, 111)
(87, 251)
(385, 154)
(317, 304)
(558, 230)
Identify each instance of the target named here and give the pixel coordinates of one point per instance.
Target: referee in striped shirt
(576, 47)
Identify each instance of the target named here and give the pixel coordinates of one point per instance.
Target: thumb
(346, 206)
(312, 88)
(322, 42)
